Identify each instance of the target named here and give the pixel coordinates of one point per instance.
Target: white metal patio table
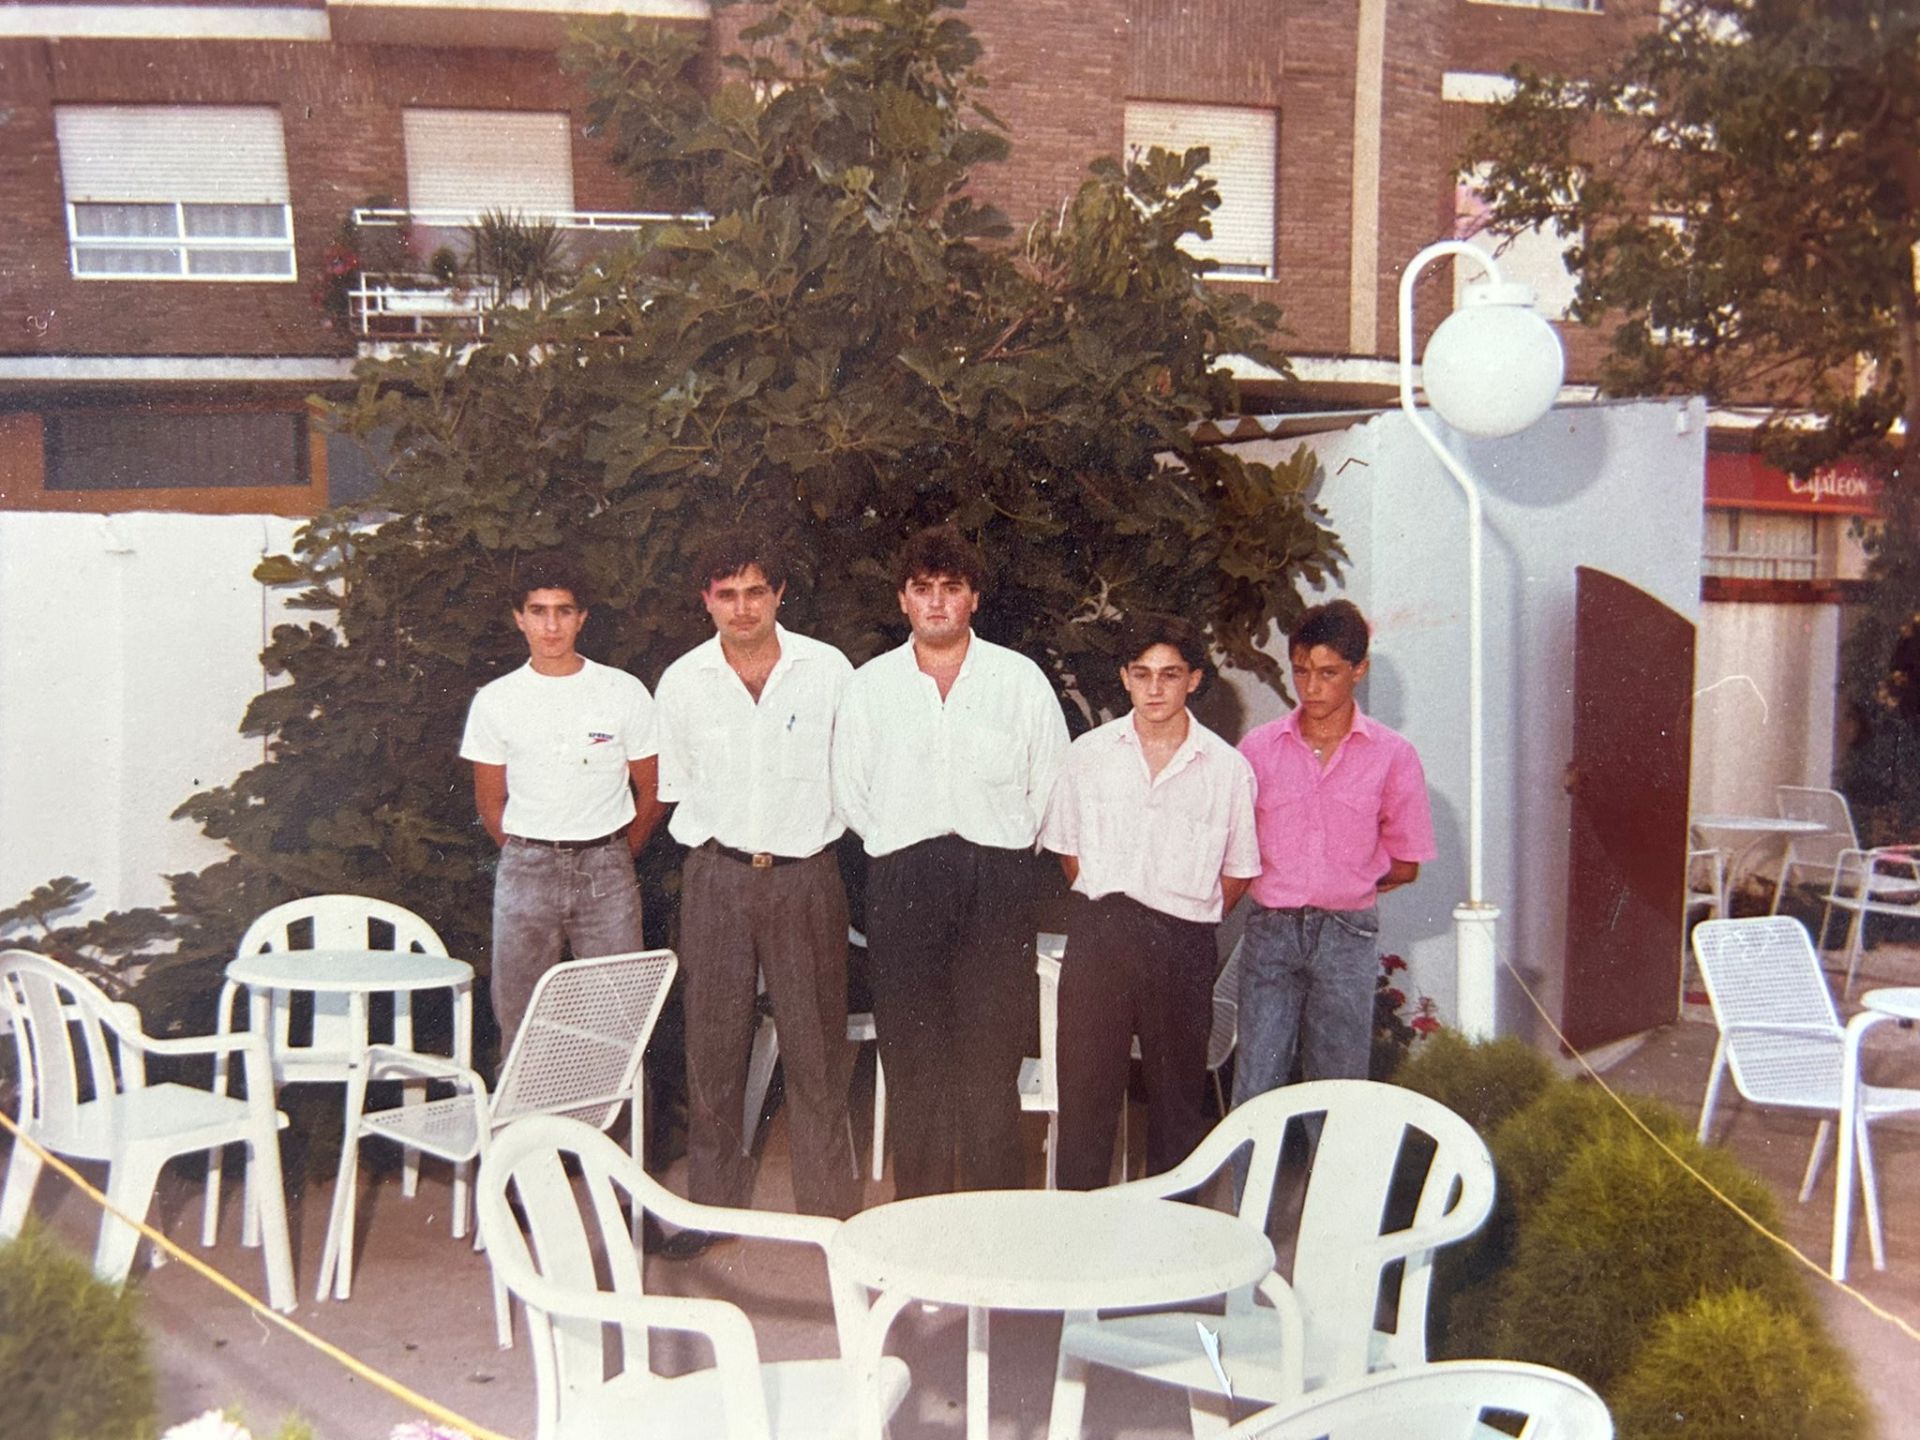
(355, 974)
(1895, 1002)
(1037, 1250)
(1753, 831)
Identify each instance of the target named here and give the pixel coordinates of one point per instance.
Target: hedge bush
(1733, 1366)
(1482, 1083)
(1625, 1237)
(73, 1359)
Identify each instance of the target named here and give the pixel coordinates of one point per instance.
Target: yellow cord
(1712, 1189)
(431, 1408)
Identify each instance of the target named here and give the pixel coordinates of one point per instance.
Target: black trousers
(1131, 970)
(950, 951)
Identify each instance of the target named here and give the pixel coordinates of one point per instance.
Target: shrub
(1531, 1149)
(73, 1360)
(1731, 1366)
(1483, 1083)
(1621, 1239)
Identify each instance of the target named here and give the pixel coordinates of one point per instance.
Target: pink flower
(1391, 963)
(1424, 1025)
(1395, 998)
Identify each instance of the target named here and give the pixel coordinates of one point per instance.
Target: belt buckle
(762, 860)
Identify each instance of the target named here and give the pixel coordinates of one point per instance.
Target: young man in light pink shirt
(1152, 820)
(1342, 818)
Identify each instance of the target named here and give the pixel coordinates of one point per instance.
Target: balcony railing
(391, 305)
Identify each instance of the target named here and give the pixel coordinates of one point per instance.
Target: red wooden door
(1627, 871)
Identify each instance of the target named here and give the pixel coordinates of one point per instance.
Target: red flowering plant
(1394, 1031)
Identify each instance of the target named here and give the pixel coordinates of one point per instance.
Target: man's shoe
(685, 1244)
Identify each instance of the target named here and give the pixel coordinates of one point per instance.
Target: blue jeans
(541, 897)
(1306, 984)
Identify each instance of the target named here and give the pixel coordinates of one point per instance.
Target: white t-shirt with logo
(566, 741)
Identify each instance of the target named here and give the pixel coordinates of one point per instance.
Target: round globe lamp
(1494, 366)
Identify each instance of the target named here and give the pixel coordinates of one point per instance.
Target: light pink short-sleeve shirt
(1327, 835)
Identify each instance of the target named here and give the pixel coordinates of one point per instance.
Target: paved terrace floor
(421, 1310)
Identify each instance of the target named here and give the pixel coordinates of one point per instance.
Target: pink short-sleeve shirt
(1327, 835)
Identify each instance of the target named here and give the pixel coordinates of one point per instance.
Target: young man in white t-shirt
(1153, 822)
(564, 779)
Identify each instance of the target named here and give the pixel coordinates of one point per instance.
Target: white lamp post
(1492, 368)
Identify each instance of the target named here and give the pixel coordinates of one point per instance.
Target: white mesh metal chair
(578, 1053)
(546, 1256)
(1450, 1400)
(83, 1093)
(1039, 1079)
(1347, 1243)
(1883, 881)
(332, 1041)
(1781, 1039)
(1817, 854)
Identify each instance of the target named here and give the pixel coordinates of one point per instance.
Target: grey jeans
(1306, 984)
(542, 898)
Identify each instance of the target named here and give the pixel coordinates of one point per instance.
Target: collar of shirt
(1187, 754)
(711, 655)
(912, 659)
(1361, 727)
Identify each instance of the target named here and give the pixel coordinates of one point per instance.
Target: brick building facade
(1347, 114)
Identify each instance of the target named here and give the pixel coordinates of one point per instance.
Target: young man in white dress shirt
(1153, 822)
(563, 777)
(944, 755)
(746, 728)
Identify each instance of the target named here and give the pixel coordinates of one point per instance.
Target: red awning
(1743, 481)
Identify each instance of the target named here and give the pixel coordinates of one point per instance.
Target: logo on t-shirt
(598, 737)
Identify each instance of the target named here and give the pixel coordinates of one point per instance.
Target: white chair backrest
(1371, 1141)
(1823, 807)
(1226, 1011)
(554, 1259)
(1443, 1401)
(67, 1039)
(579, 1049)
(1762, 970)
(330, 922)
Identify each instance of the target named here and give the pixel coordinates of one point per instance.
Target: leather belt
(570, 844)
(758, 859)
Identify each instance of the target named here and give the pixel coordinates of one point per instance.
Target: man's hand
(1400, 872)
(648, 807)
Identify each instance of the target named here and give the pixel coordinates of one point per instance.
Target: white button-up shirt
(908, 766)
(754, 776)
(1163, 840)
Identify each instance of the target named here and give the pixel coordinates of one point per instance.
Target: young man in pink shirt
(1342, 817)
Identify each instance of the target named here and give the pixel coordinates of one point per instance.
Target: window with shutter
(1241, 142)
(175, 192)
(469, 161)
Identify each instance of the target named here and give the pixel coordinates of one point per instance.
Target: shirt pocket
(803, 749)
(1189, 857)
(992, 754)
(598, 746)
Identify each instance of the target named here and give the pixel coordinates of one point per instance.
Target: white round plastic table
(355, 974)
(1035, 1250)
(1893, 1002)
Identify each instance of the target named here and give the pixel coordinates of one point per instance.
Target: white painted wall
(1617, 487)
(1764, 714)
(129, 648)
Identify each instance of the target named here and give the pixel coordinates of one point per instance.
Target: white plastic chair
(761, 1059)
(1781, 1039)
(578, 1053)
(84, 1094)
(572, 1312)
(1039, 1079)
(330, 922)
(1819, 853)
(1443, 1401)
(1341, 1254)
(1882, 881)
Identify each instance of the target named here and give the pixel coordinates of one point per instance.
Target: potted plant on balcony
(523, 257)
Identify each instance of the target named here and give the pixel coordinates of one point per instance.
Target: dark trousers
(1130, 970)
(788, 922)
(950, 949)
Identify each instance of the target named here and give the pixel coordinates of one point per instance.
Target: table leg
(977, 1396)
(260, 1021)
(1848, 1122)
